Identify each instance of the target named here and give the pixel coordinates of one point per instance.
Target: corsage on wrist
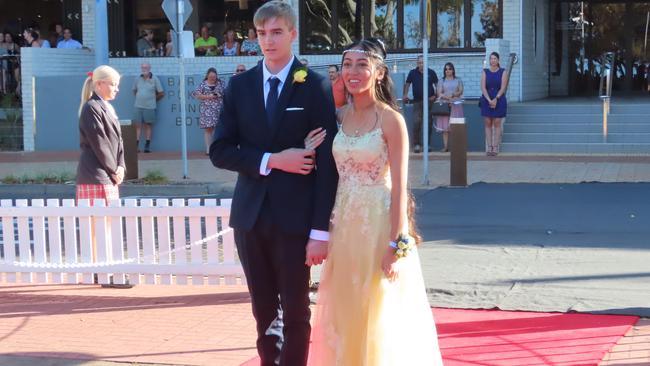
(403, 245)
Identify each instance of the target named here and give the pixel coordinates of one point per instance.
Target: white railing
(127, 242)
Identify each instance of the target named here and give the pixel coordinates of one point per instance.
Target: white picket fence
(133, 241)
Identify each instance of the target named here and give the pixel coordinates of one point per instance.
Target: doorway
(585, 30)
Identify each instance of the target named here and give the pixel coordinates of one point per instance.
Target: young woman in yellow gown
(372, 306)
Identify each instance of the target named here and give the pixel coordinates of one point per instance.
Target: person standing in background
(450, 90)
(493, 103)
(251, 46)
(205, 45)
(338, 87)
(416, 78)
(147, 90)
(68, 41)
(210, 93)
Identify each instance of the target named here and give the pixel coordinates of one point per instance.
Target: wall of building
(36, 62)
(88, 22)
(511, 33)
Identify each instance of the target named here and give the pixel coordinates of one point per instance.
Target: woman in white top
(450, 90)
(230, 46)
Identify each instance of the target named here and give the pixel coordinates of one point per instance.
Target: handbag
(439, 108)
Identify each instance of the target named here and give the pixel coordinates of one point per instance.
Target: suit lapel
(285, 96)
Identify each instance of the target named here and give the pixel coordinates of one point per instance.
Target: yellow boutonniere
(300, 75)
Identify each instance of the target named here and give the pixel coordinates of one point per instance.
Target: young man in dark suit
(284, 193)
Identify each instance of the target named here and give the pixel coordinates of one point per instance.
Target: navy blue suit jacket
(297, 202)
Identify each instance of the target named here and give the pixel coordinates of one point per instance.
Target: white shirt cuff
(319, 235)
(265, 161)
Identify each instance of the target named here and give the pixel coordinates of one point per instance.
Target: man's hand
(316, 252)
(405, 99)
(298, 161)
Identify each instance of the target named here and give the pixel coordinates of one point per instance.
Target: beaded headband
(367, 53)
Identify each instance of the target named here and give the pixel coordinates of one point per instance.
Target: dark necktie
(272, 99)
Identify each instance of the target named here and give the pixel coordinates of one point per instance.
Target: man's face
(204, 32)
(420, 64)
(58, 29)
(240, 69)
(145, 68)
(333, 73)
(67, 34)
(275, 39)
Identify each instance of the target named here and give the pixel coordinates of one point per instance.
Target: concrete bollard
(458, 152)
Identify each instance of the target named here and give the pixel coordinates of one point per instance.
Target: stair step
(512, 127)
(577, 118)
(576, 148)
(625, 138)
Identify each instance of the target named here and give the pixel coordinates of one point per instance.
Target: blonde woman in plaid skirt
(101, 164)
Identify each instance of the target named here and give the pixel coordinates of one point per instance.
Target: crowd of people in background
(231, 43)
(57, 36)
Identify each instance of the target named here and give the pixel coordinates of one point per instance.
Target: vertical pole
(425, 94)
(180, 12)
(101, 33)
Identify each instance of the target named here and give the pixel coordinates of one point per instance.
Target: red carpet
(494, 338)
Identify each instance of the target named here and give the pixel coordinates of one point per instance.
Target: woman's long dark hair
(444, 69)
(383, 88)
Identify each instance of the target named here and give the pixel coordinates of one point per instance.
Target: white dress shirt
(282, 76)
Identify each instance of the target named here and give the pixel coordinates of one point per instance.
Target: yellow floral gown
(363, 319)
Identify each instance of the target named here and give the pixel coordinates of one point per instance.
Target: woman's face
(494, 61)
(252, 34)
(212, 77)
(358, 72)
(107, 89)
(8, 38)
(449, 71)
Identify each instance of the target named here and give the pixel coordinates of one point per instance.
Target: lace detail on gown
(356, 322)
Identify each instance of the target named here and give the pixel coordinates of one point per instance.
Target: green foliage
(41, 178)
(154, 177)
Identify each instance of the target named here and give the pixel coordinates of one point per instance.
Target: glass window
(486, 21)
(330, 25)
(350, 22)
(318, 22)
(412, 28)
(451, 24)
(383, 22)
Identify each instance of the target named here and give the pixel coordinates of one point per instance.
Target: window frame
(433, 38)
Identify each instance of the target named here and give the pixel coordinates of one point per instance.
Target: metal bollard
(458, 153)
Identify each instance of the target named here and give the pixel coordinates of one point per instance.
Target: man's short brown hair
(275, 9)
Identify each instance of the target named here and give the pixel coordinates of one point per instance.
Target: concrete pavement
(506, 168)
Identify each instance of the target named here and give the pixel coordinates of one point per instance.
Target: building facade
(559, 44)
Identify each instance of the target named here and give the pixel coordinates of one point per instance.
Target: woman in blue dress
(493, 103)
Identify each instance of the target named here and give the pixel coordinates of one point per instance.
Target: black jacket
(100, 139)
(298, 203)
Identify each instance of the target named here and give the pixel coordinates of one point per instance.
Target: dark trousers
(274, 264)
(417, 123)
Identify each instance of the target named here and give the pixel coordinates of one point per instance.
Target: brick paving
(181, 325)
(168, 325)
